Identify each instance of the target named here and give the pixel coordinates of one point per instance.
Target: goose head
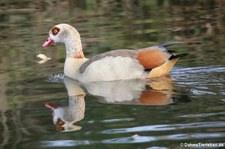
(67, 34)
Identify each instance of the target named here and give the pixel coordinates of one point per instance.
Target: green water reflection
(193, 109)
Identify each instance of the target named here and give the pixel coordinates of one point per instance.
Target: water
(186, 108)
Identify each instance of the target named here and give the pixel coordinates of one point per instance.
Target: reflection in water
(132, 92)
(107, 25)
(152, 92)
(65, 117)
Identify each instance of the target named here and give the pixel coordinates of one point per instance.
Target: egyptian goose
(113, 65)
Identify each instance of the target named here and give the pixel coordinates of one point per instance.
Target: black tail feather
(170, 44)
(177, 56)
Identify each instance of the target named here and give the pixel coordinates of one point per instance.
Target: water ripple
(207, 80)
(112, 120)
(197, 73)
(202, 115)
(65, 143)
(141, 139)
(199, 70)
(166, 127)
(131, 139)
(117, 120)
(55, 78)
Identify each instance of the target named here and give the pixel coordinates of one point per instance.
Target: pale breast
(112, 68)
(72, 65)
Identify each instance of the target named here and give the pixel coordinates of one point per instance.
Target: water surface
(187, 107)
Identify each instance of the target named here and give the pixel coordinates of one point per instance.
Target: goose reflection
(65, 117)
(140, 92)
(132, 92)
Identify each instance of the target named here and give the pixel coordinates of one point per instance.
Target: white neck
(74, 54)
(73, 49)
(73, 45)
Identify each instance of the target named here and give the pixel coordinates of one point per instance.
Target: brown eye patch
(60, 122)
(55, 30)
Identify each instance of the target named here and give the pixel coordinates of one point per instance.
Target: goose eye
(60, 122)
(55, 30)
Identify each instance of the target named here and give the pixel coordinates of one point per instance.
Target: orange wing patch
(151, 58)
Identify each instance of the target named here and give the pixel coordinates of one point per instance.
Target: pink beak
(48, 42)
(50, 106)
